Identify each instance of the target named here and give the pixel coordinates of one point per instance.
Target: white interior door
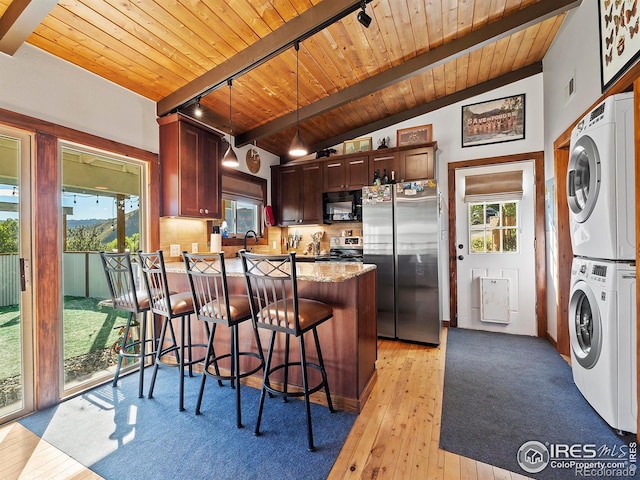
(495, 241)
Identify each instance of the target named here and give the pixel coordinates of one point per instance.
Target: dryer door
(583, 179)
(585, 325)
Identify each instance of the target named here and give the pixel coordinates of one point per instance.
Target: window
(493, 227)
(243, 200)
(240, 216)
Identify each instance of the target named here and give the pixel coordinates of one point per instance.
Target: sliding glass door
(16, 325)
(101, 211)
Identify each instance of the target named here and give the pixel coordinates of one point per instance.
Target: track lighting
(198, 110)
(363, 18)
(298, 147)
(230, 159)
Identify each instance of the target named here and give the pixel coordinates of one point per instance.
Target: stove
(345, 249)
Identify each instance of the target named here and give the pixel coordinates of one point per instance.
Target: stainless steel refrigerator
(400, 225)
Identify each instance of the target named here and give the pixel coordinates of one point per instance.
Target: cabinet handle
(201, 211)
(382, 158)
(331, 165)
(206, 211)
(356, 162)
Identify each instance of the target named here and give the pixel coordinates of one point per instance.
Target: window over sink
(243, 201)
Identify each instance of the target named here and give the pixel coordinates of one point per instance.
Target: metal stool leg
(305, 388)
(322, 370)
(265, 382)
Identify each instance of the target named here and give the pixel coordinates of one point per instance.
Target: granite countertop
(313, 272)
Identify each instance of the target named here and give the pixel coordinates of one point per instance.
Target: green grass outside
(87, 327)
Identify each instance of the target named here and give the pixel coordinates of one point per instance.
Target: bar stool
(169, 305)
(272, 284)
(126, 296)
(213, 305)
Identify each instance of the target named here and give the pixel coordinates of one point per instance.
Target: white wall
(35, 83)
(575, 50)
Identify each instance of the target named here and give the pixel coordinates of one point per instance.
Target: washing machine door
(583, 178)
(585, 325)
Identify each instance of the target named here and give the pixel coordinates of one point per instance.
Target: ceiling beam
(19, 21)
(298, 28)
(478, 89)
(474, 40)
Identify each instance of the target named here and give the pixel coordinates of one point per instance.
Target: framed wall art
(494, 121)
(413, 135)
(619, 38)
(357, 145)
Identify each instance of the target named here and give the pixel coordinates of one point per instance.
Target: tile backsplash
(186, 232)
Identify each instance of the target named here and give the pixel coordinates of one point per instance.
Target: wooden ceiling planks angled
(415, 55)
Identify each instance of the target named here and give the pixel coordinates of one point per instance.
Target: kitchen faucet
(246, 235)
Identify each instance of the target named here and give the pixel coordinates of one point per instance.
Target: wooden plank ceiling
(417, 55)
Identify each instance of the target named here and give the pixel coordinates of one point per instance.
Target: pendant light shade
(230, 159)
(298, 147)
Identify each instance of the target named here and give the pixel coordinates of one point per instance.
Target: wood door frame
(539, 232)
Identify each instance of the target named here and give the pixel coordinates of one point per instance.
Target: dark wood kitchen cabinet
(408, 163)
(189, 174)
(297, 191)
(416, 163)
(346, 174)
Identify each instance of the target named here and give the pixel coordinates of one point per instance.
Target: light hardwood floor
(396, 435)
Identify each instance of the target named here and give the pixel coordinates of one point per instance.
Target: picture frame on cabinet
(619, 23)
(493, 121)
(414, 135)
(357, 145)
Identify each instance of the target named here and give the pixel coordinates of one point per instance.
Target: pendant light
(230, 159)
(298, 147)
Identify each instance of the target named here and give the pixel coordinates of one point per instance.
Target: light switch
(174, 250)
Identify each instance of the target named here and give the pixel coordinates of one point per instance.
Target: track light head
(363, 18)
(198, 110)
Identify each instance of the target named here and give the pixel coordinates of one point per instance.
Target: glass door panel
(16, 359)
(100, 212)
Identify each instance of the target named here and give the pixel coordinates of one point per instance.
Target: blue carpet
(501, 391)
(118, 435)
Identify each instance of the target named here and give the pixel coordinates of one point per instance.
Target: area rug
(502, 391)
(118, 435)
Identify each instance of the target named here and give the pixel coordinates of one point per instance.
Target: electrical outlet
(274, 245)
(174, 250)
(194, 247)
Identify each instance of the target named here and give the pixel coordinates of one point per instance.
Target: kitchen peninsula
(348, 340)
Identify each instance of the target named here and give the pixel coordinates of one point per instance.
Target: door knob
(460, 257)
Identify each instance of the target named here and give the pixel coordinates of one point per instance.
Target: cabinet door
(190, 147)
(208, 177)
(289, 188)
(311, 193)
(357, 173)
(381, 162)
(417, 164)
(334, 175)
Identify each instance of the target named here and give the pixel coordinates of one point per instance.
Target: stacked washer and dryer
(602, 306)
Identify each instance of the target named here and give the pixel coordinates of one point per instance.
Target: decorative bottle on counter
(385, 177)
(393, 176)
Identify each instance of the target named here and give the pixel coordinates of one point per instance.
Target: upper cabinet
(189, 174)
(346, 174)
(416, 164)
(297, 191)
(406, 163)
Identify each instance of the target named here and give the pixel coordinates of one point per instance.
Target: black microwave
(343, 206)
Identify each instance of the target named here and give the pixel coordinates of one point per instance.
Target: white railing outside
(83, 276)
